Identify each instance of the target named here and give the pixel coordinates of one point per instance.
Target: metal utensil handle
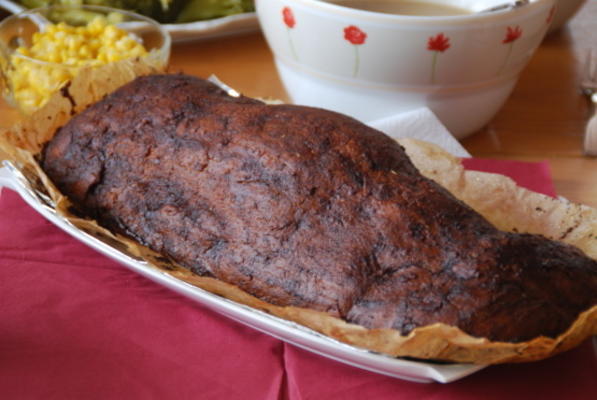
(507, 6)
(590, 145)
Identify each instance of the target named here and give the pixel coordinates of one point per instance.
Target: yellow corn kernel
(56, 36)
(96, 26)
(84, 52)
(94, 44)
(110, 33)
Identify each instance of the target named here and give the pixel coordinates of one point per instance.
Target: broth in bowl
(403, 7)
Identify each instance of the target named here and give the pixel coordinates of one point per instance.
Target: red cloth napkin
(74, 324)
(533, 176)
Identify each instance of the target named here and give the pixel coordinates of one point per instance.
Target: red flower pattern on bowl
(354, 35)
(512, 34)
(439, 42)
(483, 52)
(288, 17)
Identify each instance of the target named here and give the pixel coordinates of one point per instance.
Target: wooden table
(544, 119)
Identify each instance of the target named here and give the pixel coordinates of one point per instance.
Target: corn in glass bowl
(42, 49)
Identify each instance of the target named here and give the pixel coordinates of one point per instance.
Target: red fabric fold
(534, 176)
(74, 324)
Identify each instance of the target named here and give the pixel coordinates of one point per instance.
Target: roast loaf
(305, 207)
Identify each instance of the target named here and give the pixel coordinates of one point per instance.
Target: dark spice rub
(305, 207)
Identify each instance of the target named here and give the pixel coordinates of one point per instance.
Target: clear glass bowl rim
(164, 48)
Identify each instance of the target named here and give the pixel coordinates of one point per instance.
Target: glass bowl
(27, 81)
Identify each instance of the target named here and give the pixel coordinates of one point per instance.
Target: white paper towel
(420, 124)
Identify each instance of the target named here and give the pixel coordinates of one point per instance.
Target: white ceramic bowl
(372, 65)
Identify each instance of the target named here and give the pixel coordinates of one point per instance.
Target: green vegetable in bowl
(166, 11)
(151, 8)
(141, 6)
(197, 10)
